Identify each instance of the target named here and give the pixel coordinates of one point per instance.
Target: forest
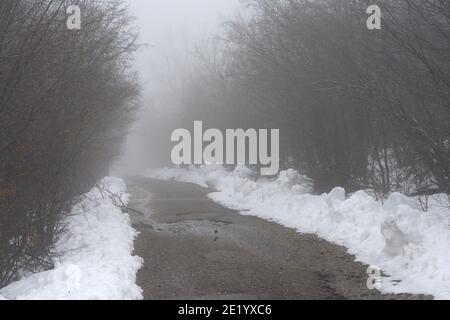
(357, 108)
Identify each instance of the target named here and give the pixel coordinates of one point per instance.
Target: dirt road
(196, 249)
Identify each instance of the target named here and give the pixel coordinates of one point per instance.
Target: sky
(171, 29)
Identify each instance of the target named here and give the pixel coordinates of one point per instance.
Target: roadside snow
(411, 246)
(189, 176)
(96, 255)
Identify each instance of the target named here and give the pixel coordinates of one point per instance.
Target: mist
(169, 32)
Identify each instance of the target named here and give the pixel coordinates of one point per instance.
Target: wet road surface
(196, 249)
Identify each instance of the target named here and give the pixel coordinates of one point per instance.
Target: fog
(169, 32)
(347, 98)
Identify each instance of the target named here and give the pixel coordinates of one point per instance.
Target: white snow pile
(96, 255)
(409, 245)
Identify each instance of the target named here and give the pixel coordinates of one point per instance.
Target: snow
(96, 255)
(181, 175)
(409, 245)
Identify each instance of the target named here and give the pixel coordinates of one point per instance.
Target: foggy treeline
(66, 99)
(357, 108)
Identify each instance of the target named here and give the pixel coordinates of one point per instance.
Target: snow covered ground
(96, 259)
(409, 245)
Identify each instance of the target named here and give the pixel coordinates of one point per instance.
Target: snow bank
(96, 255)
(411, 246)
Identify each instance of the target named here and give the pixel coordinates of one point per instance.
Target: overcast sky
(172, 28)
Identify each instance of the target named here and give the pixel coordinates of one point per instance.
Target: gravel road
(196, 249)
